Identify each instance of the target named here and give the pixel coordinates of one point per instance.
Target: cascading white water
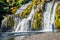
(23, 26)
(49, 17)
(53, 14)
(16, 20)
(23, 22)
(47, 20)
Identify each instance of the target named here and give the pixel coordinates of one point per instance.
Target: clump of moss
(57, 20)
(14, 9)
(10, 21)
(37, 19)
(36, 22)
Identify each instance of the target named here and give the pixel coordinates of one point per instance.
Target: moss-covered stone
(57, 20)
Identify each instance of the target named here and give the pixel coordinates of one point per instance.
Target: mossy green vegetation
(10, 21)
(57, 19)
(10, 5)
(36, 22)
(37, 19)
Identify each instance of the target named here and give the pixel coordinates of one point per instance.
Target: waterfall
(4, 24)
(23, 26)
(24, 21)
(53, 14)
(47, 19)
(47, 15)
(16, 20)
